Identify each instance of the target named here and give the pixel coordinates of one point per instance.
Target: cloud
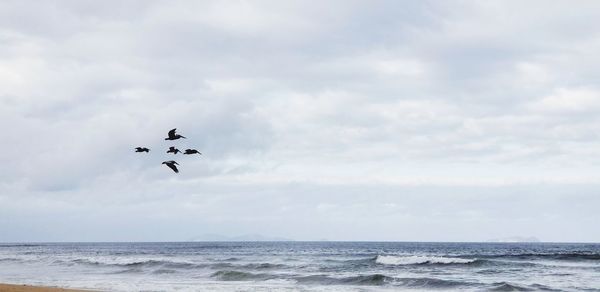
(301, 110)
(573, 100)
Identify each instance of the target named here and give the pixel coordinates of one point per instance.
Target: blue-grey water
(304, 266)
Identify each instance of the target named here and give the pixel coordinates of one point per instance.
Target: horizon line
(300, 241)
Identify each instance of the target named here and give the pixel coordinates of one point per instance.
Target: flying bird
(173, 150)
(141, 149)
(173, 136)
(191, 151)
(171, 165)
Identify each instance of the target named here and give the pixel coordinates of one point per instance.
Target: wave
(380, 280)
(128, 271)
(574, 256)
(503, 286)
(135, 264)
(229, 275)
(431, 283)
(263, 266)
(374, 280)
(368, 280)
(552, 256)
(250, 266)
(360, 280)
(164, 271)
(229, 259)
(166, 264)
(421, 260)
(540, 287)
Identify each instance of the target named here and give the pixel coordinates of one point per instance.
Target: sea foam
(415, 260)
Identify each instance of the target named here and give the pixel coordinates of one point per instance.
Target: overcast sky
(339, 120)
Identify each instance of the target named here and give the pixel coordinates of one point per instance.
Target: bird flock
(171, 137)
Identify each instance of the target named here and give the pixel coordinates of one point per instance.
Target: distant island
(245, 237)
(515, 239)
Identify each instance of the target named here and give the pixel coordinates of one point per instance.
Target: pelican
(191, 151)
(141, 149)
(173, 136)
(173, 150)
(171, 165)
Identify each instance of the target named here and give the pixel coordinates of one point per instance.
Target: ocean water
(304, 266)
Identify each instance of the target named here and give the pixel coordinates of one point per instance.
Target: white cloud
(569, 100)
(300, 110)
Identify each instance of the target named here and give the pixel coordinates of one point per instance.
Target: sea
(304, 266)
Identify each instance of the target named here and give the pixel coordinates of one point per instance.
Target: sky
(328, 120)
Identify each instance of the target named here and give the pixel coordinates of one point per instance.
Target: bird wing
(172, 133)
(173, 167)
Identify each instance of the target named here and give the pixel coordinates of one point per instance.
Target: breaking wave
(166, 264)
(420, 260)
(360, 280)
(138, 264)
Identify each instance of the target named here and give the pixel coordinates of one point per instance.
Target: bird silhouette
(192, 151)
(173, 136)
(171, 165)
(141, 149)
(173, 150)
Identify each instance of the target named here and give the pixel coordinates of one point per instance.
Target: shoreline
(34, 288)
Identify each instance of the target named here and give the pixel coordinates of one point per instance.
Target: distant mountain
(515, 239)
(245, 237)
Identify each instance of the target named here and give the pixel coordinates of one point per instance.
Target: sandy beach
(29, 288)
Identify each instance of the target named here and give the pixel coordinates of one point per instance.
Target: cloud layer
(347, 120)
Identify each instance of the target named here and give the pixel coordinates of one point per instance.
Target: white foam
(413, 260)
